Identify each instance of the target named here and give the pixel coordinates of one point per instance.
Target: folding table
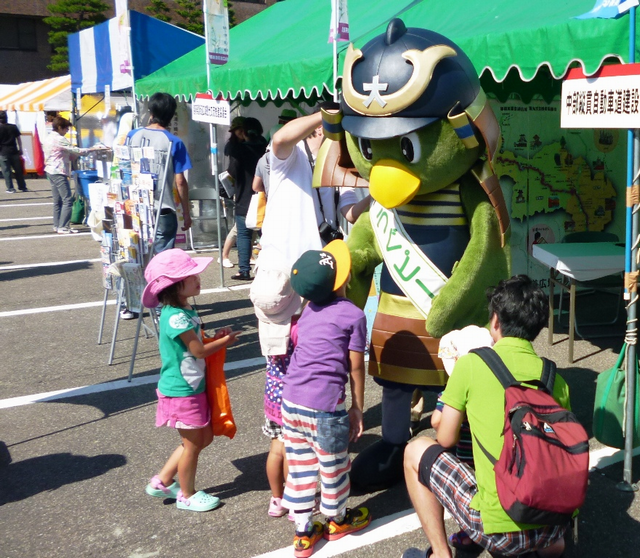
(578, 261)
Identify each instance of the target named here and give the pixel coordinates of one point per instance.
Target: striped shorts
(316, 442)
(454, 485)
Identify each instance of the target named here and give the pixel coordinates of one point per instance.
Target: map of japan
(552, 179)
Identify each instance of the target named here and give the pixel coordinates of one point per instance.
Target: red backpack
(542, 471)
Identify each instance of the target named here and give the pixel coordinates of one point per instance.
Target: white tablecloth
(582, 261)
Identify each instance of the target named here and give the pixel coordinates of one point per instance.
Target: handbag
(222, 422)
(77, 211)
(610, 403)
(255, 213)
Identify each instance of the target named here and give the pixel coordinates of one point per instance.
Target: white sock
(303, 520)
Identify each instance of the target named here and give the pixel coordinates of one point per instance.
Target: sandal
(158, 489)
(457, 540)
(199, 502)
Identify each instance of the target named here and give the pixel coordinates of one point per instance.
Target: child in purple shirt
(316, 425)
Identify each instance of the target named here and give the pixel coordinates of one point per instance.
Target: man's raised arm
(286, 138)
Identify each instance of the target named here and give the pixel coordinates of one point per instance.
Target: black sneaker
(242, 276)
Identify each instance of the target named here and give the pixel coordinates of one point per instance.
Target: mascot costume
(420, 130)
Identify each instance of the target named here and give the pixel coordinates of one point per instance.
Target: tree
(191, 12)
(70, 16)
(159, 10)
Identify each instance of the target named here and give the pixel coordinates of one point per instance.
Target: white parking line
(81, 305)
(46, 264)
(50, 235)
(108, 386)
(12, 205)
(26, 219)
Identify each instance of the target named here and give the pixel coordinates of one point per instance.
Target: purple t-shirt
(319, 368)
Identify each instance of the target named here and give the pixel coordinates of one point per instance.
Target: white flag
(216, 20)
(342, 33)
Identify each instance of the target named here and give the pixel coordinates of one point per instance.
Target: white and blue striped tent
(95, 53)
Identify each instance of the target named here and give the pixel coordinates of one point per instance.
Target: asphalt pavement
(78, 442)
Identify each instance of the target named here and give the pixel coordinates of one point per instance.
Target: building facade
(24, 48)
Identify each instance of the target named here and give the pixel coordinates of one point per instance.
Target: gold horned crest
(377, 104)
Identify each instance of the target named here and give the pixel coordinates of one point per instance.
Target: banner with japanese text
(342, 20)
(216, 17)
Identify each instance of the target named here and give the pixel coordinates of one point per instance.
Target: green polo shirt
(473, 389)
(181, 374)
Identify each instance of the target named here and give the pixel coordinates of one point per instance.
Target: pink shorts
(189, 412)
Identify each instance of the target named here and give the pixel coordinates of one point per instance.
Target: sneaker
(242, 276)
(128, 315)
(67, 230)
(55, 229)
(226, 262)
(11, 191)
(354, 520)
(23, 190)
(275, 507)
(157, 489)
(303, 543)
(199, 502)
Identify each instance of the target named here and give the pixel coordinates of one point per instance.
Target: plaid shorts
(454, 485)
(272, 429)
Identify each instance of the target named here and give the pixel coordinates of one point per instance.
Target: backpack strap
(548, 377)
(506, 379)
(496, 365)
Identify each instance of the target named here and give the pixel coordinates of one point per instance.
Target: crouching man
(437, 480)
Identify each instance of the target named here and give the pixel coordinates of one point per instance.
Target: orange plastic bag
(217, 394)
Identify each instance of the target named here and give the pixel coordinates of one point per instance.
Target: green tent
(284, 53)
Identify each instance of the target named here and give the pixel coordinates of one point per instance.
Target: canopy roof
(96, 58)
(33, 96)
(283, 53)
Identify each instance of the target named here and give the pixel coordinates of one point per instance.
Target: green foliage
(71, 16)
(159, 10)
(232, 15)
(191, 12)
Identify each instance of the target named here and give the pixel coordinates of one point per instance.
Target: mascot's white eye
(410, 145)
(365, 148)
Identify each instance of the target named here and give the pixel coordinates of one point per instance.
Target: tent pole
(336, 19)
(631, 337)
(136, 120)
(213, 143)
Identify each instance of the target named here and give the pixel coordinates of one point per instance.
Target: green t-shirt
(181, 374)
(472, 388)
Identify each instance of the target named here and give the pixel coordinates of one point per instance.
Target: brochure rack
(138, 176)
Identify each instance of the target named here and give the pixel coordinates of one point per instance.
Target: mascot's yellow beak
(392, 184)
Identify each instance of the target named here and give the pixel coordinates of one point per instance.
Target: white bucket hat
(275, 303)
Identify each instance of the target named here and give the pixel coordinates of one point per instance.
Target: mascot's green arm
(462, 301)
(365, 257)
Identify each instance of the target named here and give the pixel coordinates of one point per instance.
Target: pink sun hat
(166, 269)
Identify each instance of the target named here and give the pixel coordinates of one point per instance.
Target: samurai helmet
(406, 79)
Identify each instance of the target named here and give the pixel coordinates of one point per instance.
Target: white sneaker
(226, 262)
(66, 230)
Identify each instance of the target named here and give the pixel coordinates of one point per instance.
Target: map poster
(556, 181)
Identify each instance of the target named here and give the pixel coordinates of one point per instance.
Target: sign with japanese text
(608, 99)
(216, 18)
(206, 109)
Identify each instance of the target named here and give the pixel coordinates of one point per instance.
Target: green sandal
(199, 502)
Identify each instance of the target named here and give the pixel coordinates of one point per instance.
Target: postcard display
(129, 231)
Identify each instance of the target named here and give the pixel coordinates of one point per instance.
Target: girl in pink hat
(172, 277)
